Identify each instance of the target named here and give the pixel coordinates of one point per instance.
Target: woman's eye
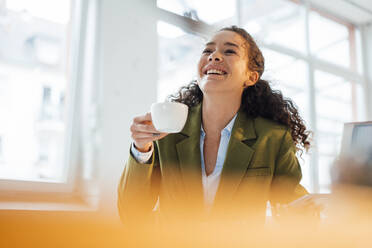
(207, 51)
(230, 51)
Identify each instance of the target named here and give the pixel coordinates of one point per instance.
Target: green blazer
(260, 165)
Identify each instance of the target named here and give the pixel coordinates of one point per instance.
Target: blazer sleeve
(138, 189)
(285, 185)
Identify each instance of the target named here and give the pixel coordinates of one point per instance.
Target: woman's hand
(144, 132)
(305, 206)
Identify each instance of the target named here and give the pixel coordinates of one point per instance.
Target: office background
(74, 73)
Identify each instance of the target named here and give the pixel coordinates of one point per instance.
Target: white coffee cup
(169, 117)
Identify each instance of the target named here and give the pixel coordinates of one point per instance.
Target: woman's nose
(215, 57)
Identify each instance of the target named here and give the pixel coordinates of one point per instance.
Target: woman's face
(223, 64)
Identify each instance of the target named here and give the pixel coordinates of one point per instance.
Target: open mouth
(214, 72)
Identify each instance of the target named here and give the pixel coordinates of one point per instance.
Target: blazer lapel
(238, 157)
(188, 151)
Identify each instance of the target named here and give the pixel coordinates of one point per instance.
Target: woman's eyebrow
(231, 44)
(226, 44)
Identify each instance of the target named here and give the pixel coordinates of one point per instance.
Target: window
(276, 22)
(44, 49)
(333, 48)
(332, 93)
(34, 51)
(177, 49)
(209, 11)
(320, 72)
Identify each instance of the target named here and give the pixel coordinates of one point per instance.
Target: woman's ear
(252, 78)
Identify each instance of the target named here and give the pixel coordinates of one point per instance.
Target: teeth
(215, 71)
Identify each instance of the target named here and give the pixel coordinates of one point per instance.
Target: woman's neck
(218, 111)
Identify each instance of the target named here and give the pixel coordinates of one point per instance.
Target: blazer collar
(193, 123)
(237, 159)
(188, 151)
(242, 130)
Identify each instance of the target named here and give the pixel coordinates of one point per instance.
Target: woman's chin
(212, 86)
(214, 78)
(211, 82)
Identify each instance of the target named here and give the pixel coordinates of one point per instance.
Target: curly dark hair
(259, 99)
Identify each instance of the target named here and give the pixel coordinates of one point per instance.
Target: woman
(236, 151)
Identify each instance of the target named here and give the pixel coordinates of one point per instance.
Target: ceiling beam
(356, 5)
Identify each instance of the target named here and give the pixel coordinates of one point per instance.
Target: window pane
(209, 11)
(325, 163)
(333, 48)
(276, 21)
(333, 93)
(288, 75)
(333, 107)
(33, 65)
(179, 53)
(54, 11)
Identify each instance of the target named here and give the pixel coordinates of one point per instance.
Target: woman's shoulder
(266, 126)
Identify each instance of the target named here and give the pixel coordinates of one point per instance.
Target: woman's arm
(138, 189)
(285, 186)
(288, 197)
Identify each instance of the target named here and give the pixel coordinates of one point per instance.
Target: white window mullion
(314, 159)
(367, 63)
(239, 15)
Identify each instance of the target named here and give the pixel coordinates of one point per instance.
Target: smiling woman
(236, 151)
(259, 100)
(224, 60)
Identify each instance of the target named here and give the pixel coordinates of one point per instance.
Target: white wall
(128, 76)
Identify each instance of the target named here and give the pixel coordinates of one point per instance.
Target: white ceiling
(355, 11)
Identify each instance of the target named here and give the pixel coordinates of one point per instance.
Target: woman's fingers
(140, 142)
(149, 139)
(145, 128)
(144, 132)
(141, 135)
(142, 118)
(149, 136)
(143, 123)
